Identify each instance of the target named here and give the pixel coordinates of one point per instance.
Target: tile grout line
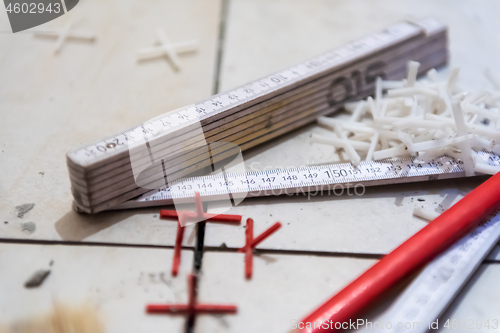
(301, 252)
(220, 45)
(80, 243)
(491, 261)
(197, 247)
(200, 232)
(206, 249)
(352, 255)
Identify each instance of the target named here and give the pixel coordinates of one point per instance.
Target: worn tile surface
(284, 34)
(50, 104)
(113, 283)
(99, 88)
(283, 288)
(286, 288)
(375, 222)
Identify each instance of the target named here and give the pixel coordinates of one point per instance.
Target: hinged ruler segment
(324, 179)
(235, 127)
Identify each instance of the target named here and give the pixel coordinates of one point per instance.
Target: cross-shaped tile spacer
(168, 49)
(66, 33)
(192, 307)
(184, 217)
(251, 243)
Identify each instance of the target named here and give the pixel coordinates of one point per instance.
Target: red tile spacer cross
(251, 243)
(192, 308)
(184, 216)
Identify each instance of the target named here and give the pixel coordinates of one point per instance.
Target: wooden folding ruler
(101, 173)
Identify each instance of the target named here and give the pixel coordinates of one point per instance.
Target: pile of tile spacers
(192, 308)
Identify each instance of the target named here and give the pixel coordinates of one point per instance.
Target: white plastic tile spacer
(66, 33)
(425, 214)
(412, 73)
(486, 168)
(167, 49)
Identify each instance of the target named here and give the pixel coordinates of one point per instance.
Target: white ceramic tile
(282, 34)
(116, 283)
(283, 288)
(375, 222)
(50, 104)
(289, 287)
(264, 37)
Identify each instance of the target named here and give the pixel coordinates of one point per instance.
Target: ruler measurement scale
(324, 178)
